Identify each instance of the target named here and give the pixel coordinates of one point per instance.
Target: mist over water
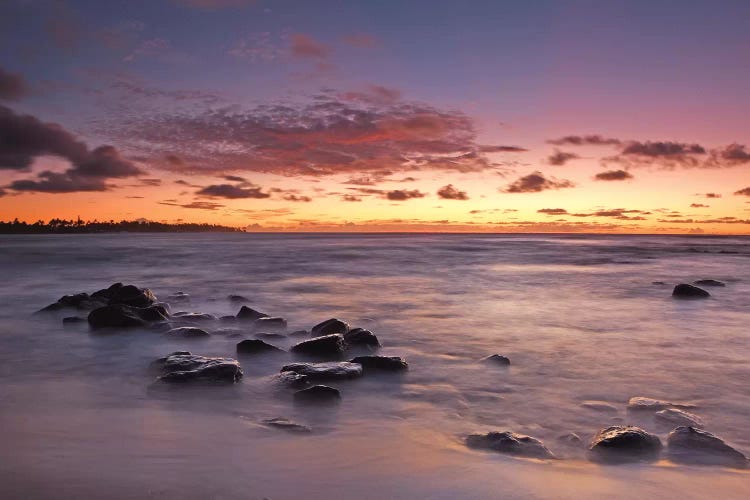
(579, 317)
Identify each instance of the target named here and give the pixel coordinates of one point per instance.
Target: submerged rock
(182, 366)
(249, 314)
(191, 317)
(687, 444)
(360, 336)
(237, 298)
(287, 425)
(317, 394)
(674, 416)
(292, 379)
(601, 406)
(384, 363)
(299, 333)
(178, 297)
(270, 323)
(123, 316)
(72, 320)
(187, 332)
(709, 283)
(496, 359)
(618, 444)
(685, 291)
(333, 370)
(329, 327)
(327, 345)
(509, 443)
(255, 346)
(639, 403)
(80, 301)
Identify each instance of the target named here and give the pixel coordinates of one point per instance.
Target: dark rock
(496, 359)
(509, 443)
(293, 379)
(360, 336)
(619, 444)
(674, 416)
(106, 293)
(178, 297)
(329, 327)
(228, 319)
(131, 295)
(122, 316)
(660, 283)
(254, 346)
(333, 370)
(248, 314)
(238, 298)
(709, 283)
(299, 333)
(685, 291)
(287, 425)
(72, 320)
(327, 345)
(185, 367)
(187, 332)
(270, 323)
(694, 446)
(318, 394)
(383, 363)
(80, 301)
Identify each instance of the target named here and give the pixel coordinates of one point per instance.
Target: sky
(322, 115)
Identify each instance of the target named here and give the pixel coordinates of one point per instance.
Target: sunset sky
(568, 116)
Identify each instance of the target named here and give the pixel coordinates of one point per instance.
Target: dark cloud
(12, 86)
(294, 197)
(2, 192)
(306, 47)
(743, 192)
(698, 205)
(613, 175)
(451, 193)
(234, 178)
(323, 137)
(232, 192)
(730, 156)
(585, 140)
(501, 149)
(720, 220)
(404, 194)
(536, 182)
(150, 182)
(560, 158)
(552, 211)
(713, 195)
(198, 205)
(616, 213)
(24, 138)
(665, 154)
(351, 197)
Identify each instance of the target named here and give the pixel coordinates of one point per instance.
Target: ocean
(582, 318)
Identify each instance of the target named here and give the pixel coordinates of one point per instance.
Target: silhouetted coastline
(55, 226)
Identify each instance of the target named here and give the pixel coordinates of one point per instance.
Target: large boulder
(318, 394)
(687, 444)
(122, 316)
(327, 345)
(619, 444)
(183, 366)
(509, 443)
(131, 295)
(361, 337)
(329, 327)
(497, 360)
(333, 370)
(249, 314)
(381, 363)
(685, 291)
(256, 346)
